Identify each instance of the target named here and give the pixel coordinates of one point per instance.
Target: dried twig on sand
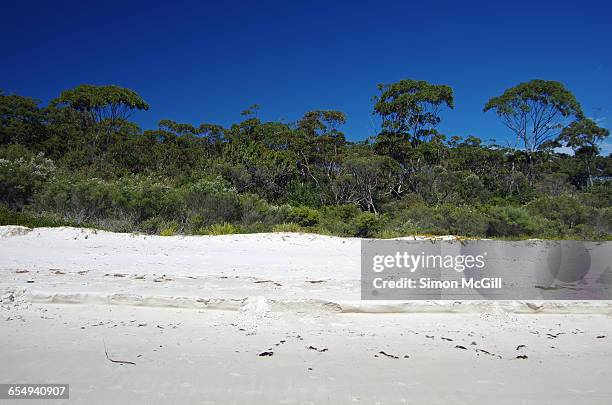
(115, 361)
(317, 349)
(387, 355)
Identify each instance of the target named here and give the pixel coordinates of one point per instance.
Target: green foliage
(512, 221)
(303, 216)
(102, 102)
(21, 121)
(206, 202)
(598, 195)
(255, 211)
(446, 219)
(322, 122)
(584, 137)
(577, 219)
(520, 98)
(21, 174)
(366, 224)
(534, 110)
(411, 107)
(255, 168)
(584, 133)
(224, 228)
(9, 217)
(133, 198)
(338, 220)
(153, 225)
(372, 176)
(79, 161)
(169, 231)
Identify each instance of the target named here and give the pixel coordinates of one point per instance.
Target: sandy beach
(272, 318)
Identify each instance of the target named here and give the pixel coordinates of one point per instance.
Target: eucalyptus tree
(375, 177)
(102, 107)
(322, 122)
(185, 145)
(411, 108)
(584, 137)
(535, 112)
(318, 144)
(102, 103)
(21, 120)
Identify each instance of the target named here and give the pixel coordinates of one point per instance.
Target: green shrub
(511, 221)
(472, 189)
(8, 217)
(407, 201)
(169, 231)
(338, 220)
(563, 208)
(125, 225)
(462, 220)
(22, 173)
(153, 225)
(443, 220)
(212, 201)
(408, 221)
(605, 224)
(257, 210)
(303, 216)
(224, 228)
(599, 195)
(257, 227)
(342, 212)
(135, 198)
(366, 224)
(554, 184)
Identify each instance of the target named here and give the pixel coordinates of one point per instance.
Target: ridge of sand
(291, 272)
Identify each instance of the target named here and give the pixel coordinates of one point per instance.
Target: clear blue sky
(206, 61)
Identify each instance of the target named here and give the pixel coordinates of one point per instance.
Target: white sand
(239, 295)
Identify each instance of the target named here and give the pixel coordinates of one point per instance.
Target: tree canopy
(102, 102)
(411, 108)
(535, 111)
(81, 161)
(584, 137)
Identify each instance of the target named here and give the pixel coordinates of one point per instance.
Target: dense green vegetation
(80, 161)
